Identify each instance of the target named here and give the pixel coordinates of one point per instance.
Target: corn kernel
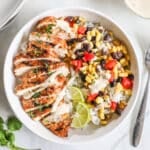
(124, 50)
(93, 70)
(128, 92)
(82, 19)
(101, 114)
(93, 33)
(75, 26)
(127, 57)
(118, 88)
(98, 44)
(104, 57)
(106, 97)
(91, 45)
(99, 100)
(98, 37)
(88, 79)
(116, 42)
(123, 61)
(90, 68)
(91, 76)
(96, 31)
(123, 74)
(104, 122)
(89, 37)
(115, 73)
(114, 49)
(122, 104)
(108, 45)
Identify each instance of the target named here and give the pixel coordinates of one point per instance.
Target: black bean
(93, 38)
(104, 52)
(113, 83)
(119, 79)
(85, 46)
(79, 53)
(118, 111)
(89, 28)
(82, 76)
(102, 63)
(117, 55)
(81, 39)
(71, 41)
(69, 18)
(107, 37)
(100, 93)
(131, 76)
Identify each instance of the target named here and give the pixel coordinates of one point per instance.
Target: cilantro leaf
(13, 124)
(36, 95)
(49, 28)
(10, 137)
(3, 140)
(1, 126)
(1, 120)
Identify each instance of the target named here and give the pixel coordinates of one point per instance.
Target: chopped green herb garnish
(46, 65)
(38, 34)
(31, 114)
(36, 95)
(50, 73)
(37, 52)
(35, 70)
(49, 28)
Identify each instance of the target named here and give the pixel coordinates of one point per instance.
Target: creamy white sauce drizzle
(61, 109)
(43, 38)
(62, 94)
(20, 71)
(60, 51)
(63, 25)
(32, 59)
(94, 116)
(98, 85)
(29, 92)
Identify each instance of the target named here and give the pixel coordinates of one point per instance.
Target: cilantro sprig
(7, 136)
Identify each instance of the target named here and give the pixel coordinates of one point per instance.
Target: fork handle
(138, 128)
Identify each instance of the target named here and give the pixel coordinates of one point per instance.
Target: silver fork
(138, 128)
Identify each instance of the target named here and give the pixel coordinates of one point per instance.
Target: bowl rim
(99, 14)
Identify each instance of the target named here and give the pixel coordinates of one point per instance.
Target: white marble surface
(136, 27)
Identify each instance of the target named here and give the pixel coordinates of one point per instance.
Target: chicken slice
(45, 22)
(40, 74)
(46, 97)
(48, 38)
(39, 113)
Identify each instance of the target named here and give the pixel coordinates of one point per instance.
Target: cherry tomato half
(110, 64)
(81, 30)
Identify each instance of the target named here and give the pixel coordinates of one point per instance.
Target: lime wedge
(76, 94)
(81, 117)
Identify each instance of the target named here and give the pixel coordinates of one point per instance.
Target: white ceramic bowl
(80, 136)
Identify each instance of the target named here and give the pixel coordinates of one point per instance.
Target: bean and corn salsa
(69, 52)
